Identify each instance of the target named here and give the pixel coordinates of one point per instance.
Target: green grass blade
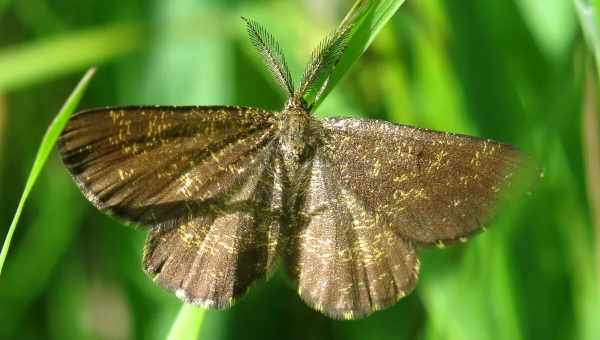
(46, 147)
(22, 65)
(368, 18)
(588, 19)
(188, 323)
(591, 152)
(552, 31)
(587, 296)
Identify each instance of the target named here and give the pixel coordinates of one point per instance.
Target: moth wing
(345, 263)
(213, 259)
(200, 177)
(153, 166)
(429, 186)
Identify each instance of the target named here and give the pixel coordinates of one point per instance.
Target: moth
(227, 192)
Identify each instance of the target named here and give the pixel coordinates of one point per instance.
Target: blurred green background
(511, 70)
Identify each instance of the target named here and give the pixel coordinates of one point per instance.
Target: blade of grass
(27, 275)
(46, 147)
(588, 19)
(554, 30)
(588, 291)
(367, 18)
(188, 323)
(591, 148)
(23, 65)
(591, 143)
(3, 105)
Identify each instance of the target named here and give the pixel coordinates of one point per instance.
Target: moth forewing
(430, 186)
(155, 166)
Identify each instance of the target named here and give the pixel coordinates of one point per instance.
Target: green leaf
(46, 147)
(188, 323)
(367, 18)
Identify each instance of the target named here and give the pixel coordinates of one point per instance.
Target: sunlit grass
(46, 146)
(589, 296)
(47, 58)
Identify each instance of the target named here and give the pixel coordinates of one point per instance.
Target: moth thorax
(296, 137)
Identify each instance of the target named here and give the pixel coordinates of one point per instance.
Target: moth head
(297, 104)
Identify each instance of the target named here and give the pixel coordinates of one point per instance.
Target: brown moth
(226, 191)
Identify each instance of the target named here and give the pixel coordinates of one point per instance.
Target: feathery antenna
(323, 61)
(272, 54)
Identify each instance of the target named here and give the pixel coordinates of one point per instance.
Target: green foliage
(589, 21)
(22, 65)
(588, 298)
(46, 147)
(367, 18)
(512, 70)
(3, 5)
(188, 323)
